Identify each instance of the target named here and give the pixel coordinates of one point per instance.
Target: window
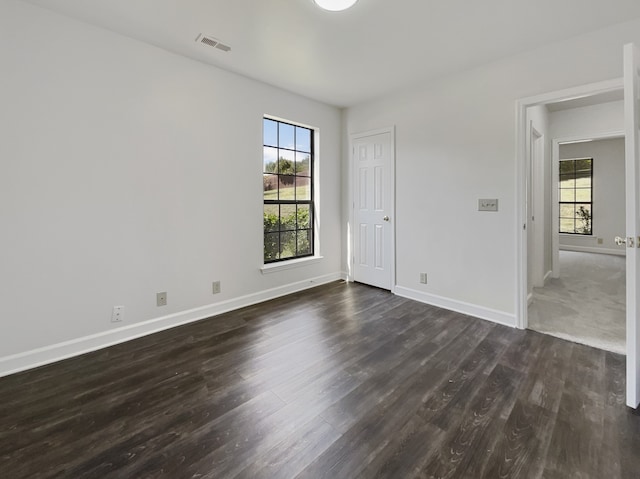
(288, 191)
(575, 193)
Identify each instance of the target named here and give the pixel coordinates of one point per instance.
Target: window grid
(575, 192)
(288, 186)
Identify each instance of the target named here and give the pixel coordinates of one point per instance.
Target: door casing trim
(521, 106)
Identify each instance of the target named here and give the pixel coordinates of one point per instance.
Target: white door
(535, 212)
(373, 208)
(632, 173)
(530, 218)
(538, 218)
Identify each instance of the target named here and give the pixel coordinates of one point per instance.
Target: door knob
(386, 218)
(622, 241)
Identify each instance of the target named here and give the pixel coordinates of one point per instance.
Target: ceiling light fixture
(335, 5)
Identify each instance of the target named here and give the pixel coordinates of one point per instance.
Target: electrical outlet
(117, 315)
(161, 299)
(423, 278)
(600, 241)
(215, 287)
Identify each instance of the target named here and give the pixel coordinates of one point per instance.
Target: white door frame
(555, 178)
(521, 178)
(392, 199)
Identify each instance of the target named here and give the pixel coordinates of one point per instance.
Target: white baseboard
(529, 299)
(481, 312)
(547, 275)
(57, 352)
(593, 249)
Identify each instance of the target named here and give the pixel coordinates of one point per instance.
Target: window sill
(576, 235)
(294, 263)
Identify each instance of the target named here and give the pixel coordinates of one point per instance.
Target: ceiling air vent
(212, 42)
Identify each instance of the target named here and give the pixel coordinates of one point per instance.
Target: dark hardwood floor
(341, 381)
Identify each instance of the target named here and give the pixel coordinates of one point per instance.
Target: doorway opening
(539, 140)
(630, 85)
(583, 297)
(574, 206)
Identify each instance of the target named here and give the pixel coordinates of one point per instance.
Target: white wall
(455, 143)
(587, 121)
(128, 170)
(608, 195)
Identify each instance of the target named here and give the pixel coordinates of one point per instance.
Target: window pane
(304, 242)
(303, 139)
(567, 181)
(583, 194)
(583, 167)
(270, 187)
(303, 190)
(567, 211)
(567, 195)
(566, 225)
(271, 246)
(566, 167)
(287, 187)
(270, 131)
(270, 156)
(287, 217)
(583, 219)
(304, 216)
(583, 182)
(287, 244)
(270, 218)
(303, 164)
(287, 162)
(286, 136)
(585, 206)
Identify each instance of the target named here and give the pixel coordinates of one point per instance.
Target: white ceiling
(344, 58)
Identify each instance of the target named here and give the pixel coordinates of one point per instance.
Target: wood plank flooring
(341, 381)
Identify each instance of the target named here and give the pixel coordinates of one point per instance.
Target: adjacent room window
(288, 157)
(575, 193)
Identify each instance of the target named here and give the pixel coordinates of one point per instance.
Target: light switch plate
(488, 205)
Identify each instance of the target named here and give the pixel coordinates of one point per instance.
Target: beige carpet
(586, 304)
